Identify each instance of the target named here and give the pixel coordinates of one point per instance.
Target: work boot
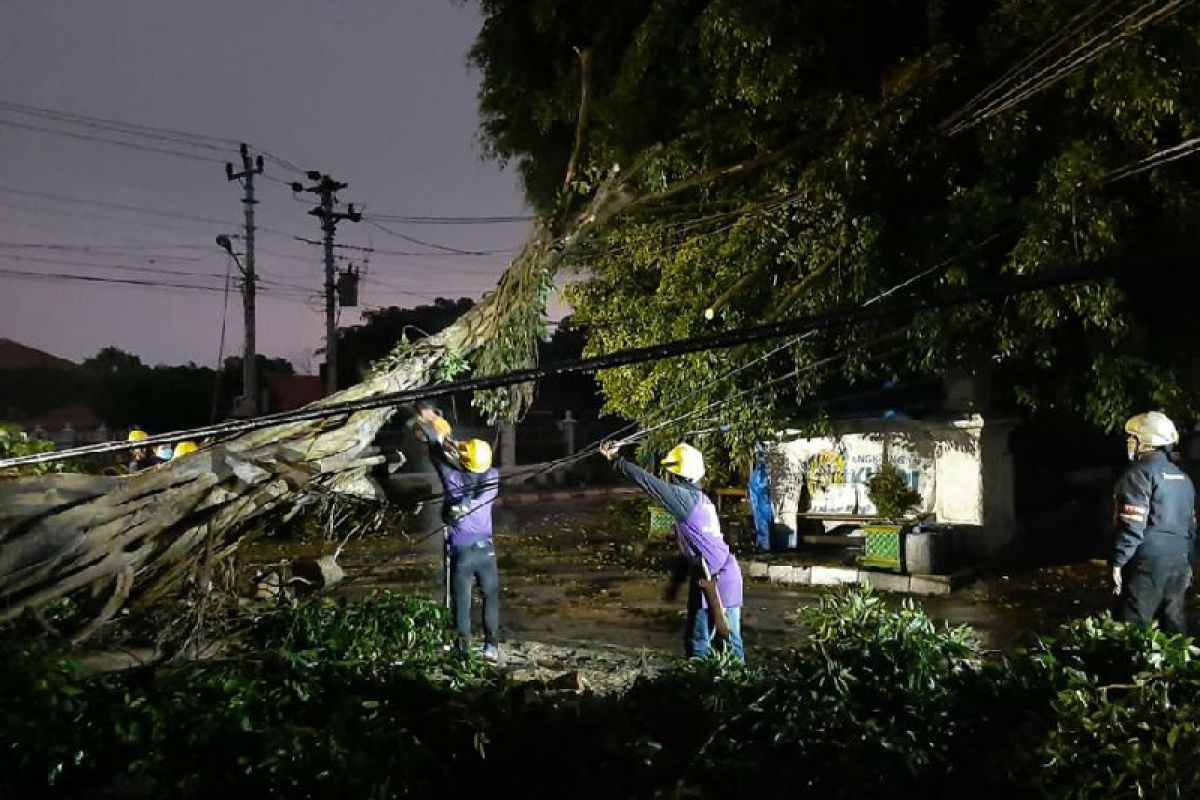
(491, 654)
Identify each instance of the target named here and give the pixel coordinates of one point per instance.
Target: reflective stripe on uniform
(1131, 513)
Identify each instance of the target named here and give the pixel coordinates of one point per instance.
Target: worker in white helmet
(1155, 528)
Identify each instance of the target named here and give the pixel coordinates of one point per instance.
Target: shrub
(891, 494)
(364, 700)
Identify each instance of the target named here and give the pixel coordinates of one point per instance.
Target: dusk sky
(375, 92)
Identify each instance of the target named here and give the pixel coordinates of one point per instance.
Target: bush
(364, 700)
(381, 633)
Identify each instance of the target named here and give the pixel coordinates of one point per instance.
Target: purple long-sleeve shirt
(471, 493)
(697, 528)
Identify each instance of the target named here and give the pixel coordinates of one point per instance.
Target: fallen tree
(140, 534)
(130, 540)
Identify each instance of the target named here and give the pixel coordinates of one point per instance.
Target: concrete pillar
(567, 426)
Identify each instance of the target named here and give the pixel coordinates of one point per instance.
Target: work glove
(452, 514)
(1116, 579)
(609, 450)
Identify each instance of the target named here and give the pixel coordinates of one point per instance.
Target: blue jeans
(468, 565)
(700, 632)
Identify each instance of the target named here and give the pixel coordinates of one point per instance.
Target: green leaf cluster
(877, 700)
(871, 192)
(15, 442)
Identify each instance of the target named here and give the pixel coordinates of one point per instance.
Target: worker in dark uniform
(716, 584)
(1155, 528)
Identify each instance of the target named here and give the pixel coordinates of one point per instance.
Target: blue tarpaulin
(759, 494)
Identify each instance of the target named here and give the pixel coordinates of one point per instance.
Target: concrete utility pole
(250, 404)
(324, 188)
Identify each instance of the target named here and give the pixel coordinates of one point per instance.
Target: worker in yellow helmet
(183, 448)
(470, 485)
(715, 591)
(141, 457)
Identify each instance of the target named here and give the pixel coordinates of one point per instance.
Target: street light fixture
(226, 244)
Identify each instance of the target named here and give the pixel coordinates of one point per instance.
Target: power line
(117, 206)
(107, 220)
(203, 141)
(268, 279)
(117, 142)
(118, 252)
(907, 307)
(1152, 161)
(103, 279)
(1076, 59)
(444, 248)
(386, 252)
(103, 123)
(465, 220)
(51, 277)
(135, 209)
(1013, 74)
(126, 267)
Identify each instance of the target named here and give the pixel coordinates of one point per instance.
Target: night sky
(375, 92)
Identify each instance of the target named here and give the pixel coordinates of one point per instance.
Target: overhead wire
(203, 141)
(737, 370)
(1157, 159)
(537, 470)
(118, 126)
(108, 204)
(912, 305)
(1072, 27)
(145, 148)
(282, 293)
(460, 220)
(442, 247)
(1065, 65)
(107, 251)
(91, 264)
(116, 206)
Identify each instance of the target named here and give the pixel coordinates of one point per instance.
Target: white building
(961, 465)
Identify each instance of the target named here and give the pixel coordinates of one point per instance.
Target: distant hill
(14, 355)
